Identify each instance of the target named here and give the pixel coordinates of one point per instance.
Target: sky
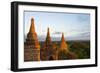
(75, 26)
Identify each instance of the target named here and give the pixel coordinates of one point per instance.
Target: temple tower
(31, 45)
(64, 51)
(63, 44)
(48, 39)
(48, 52)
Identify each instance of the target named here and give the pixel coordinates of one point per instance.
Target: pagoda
(49, 51)
(64, 52)
(31, 45)
(63, 44)
(48, 42)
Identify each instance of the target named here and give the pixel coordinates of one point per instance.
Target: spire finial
(48, 32)
(48, 29)
(48, 38)
(32, 19)
(32, 28)
(62, 37)
(62, 34)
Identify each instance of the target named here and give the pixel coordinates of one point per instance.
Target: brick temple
(49, 51)
(31, 45)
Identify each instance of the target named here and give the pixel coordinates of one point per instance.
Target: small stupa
(63, 44)
(64, 52)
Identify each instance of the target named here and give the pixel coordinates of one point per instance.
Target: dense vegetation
(79, 48)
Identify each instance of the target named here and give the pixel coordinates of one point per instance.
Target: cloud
(80, 36)
(83, 17)
(84, 34)
(57, 33)
(41, 37)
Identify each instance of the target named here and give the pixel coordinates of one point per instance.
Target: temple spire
(32, 46)
(63, 44)
(32, 27)
(48, 38)
(32, 35)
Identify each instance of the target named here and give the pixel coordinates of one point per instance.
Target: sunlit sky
(73, 25)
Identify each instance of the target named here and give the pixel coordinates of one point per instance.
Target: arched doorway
(51, 58)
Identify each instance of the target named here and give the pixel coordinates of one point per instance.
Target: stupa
(63, 44)
(64, 52)
(31, 45)
(48, 52)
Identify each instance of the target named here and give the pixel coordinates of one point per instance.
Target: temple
(63, 44)
(31, 45)
(64, 52)
(47, 50)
